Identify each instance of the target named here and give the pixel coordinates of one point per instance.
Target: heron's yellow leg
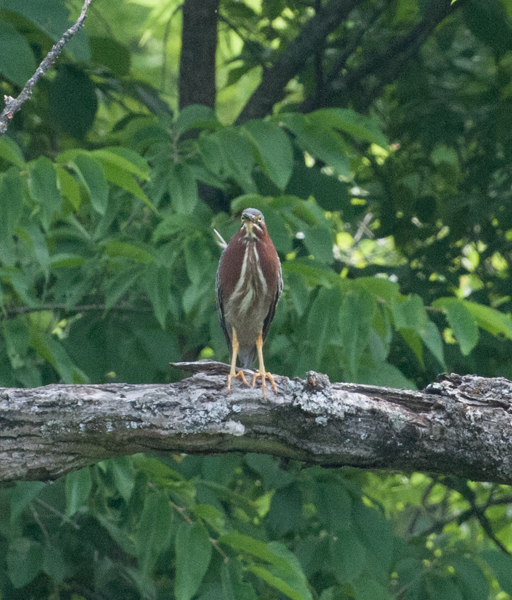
(234, 353)
(261, 370)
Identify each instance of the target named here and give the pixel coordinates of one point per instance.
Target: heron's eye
(260, 219)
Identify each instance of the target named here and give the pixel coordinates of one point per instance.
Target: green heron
(249, 284)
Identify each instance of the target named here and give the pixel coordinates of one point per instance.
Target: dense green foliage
(384, 175)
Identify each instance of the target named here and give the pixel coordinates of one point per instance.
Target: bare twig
(13, 105)
(15, 311)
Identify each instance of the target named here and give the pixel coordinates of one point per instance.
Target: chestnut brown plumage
(249, 284)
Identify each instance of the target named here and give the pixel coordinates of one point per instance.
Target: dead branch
(13, 105)
(460, 426)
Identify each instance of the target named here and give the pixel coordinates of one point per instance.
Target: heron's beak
(249, 223)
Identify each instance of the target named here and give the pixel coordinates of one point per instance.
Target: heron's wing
(272, 309)
(220, 310)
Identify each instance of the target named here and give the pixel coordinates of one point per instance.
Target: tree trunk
(459, 426)
(198, 47)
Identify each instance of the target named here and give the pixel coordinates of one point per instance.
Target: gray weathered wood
(459, 426)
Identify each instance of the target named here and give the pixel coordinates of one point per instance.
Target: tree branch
(459, 426)
(386, 66)
(13, 105)
(11, 312)
(294, 57)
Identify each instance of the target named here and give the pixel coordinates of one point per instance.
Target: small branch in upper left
(13, 105)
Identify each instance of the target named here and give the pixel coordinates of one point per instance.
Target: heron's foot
(235, 374)
(264, 375)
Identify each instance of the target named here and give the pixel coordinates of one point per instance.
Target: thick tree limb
(460, 426)
(294, 57)
(13, 105)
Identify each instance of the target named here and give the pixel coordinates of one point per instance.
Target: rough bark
(198, 47)
(459, 426)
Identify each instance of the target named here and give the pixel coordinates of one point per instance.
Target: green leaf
(443, 154)
(442, 588)
(238, 157)
(409, 312)
(376, 535)
(346, 119)
(285, 510)
(78, 487)
(196, 116)
(69, 187)
(22, 496)
(17, 61)
(11, 202)
(366, 588)
(24, 561)
(489, 22)
(471, 580)
(233, 586)
(288, 578)
(414, 342)
(253, 547)
(154, 531)
(108, 52)
(292, 574)
(193, 554)
(433, 341)
(157, 280)
(55, 564)
(66, 260)
(298, 290)
(355, 319)
(125, 159)
(211, 515)
(124, 475)
(52, 350)
(321, 327)
(275, 582)
(90, 173)
(384, 374)
(462, 322)
(43, 188)
(116, 248)
(11, 206)
(318, 240)
(333, 505)
(120, 536)
(119, 285)
(273, 150)
(72, 100)
(490, 319)
(34, 238)
(382, 288)
(348, 556)
(10, 151)
(501, 564)
(17, 341)
(126, 181)
(321, 142)
(183, 189)
(38, 11)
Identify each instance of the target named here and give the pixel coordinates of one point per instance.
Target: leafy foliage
(383, 173)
